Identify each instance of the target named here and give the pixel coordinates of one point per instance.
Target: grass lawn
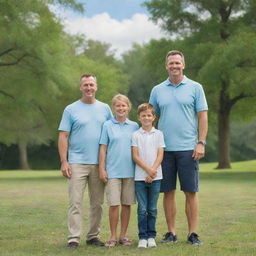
(33, 206)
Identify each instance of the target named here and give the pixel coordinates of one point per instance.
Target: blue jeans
(147, 195)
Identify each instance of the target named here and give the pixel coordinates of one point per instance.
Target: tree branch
(14, 62)
(239, 97)
(6, 51)
(7, 94)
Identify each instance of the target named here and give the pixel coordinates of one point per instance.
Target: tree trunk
(224, 128)
(23, 156)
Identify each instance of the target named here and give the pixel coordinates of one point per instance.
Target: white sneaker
(151, 242)
(143, 243)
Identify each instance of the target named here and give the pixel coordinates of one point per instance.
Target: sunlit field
(33, 215)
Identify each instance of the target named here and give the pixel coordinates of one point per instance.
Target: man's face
(175, 65)
(88, 86)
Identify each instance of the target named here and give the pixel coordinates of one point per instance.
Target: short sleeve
(66, 121)
(153, 100)
(104, 135)
(110, 115)
(201, 103)
(134, 139)
(161, 140)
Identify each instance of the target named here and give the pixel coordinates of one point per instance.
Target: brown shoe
(72, 245)
(95, 241)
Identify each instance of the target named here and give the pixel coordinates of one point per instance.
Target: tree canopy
(219, 38)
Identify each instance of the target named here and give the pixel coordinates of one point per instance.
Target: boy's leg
(141, 194)
(153, 195)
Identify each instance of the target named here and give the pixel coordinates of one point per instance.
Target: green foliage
(40, 70)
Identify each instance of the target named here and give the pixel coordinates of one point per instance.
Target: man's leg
(191, 209)
(96, 195)
(169, 204)
(76, 184)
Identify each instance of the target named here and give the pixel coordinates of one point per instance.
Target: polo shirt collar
(127, 121)
(151, 131)
(184, 80)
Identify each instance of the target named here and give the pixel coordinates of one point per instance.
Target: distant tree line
(40, 66)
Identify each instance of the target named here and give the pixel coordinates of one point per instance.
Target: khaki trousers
(81, 175)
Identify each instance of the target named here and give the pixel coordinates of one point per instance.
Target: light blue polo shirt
(177, 107)
(118, 137)
(84, 122)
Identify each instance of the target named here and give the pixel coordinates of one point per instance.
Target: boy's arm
(102, 163)
(151, 172)
(159, 158)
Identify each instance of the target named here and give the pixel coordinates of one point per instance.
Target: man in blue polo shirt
(182, 109)
(80, 130)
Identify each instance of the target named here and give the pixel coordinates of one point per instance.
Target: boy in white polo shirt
(147, 148)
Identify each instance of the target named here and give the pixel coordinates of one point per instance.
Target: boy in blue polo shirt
(147, 148)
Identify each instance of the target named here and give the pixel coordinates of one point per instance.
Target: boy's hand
(152, 173)
(148, 179)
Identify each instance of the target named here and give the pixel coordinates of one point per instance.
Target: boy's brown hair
(145, 106)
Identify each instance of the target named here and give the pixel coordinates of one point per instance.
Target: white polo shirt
(148, 144)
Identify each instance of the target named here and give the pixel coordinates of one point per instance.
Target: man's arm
(63, 152)
(202, 133)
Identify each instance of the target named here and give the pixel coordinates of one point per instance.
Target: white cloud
(120, 34)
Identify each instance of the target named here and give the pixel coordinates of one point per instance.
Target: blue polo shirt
(177, 107)
(84, 123)
(118, 137)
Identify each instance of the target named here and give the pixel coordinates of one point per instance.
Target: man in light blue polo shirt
(182, 109)
(79, 136)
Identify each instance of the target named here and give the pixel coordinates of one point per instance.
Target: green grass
(33, 216)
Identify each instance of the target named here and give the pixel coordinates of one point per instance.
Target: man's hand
(66, 169)
(199, 152)
(103, 176)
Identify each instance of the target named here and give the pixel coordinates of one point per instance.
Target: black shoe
(193, 239)
(72, 245)
(169, 237)
(95, 241)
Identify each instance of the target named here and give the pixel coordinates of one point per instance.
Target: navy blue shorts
(181, 163)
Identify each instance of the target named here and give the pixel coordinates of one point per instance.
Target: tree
(40, 70)
(221, 37)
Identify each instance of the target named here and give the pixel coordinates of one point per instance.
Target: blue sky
(120, 23)
(117, 9)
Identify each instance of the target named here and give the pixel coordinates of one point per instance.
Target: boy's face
(146, 118)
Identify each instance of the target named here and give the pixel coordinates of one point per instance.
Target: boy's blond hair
(146, 106)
